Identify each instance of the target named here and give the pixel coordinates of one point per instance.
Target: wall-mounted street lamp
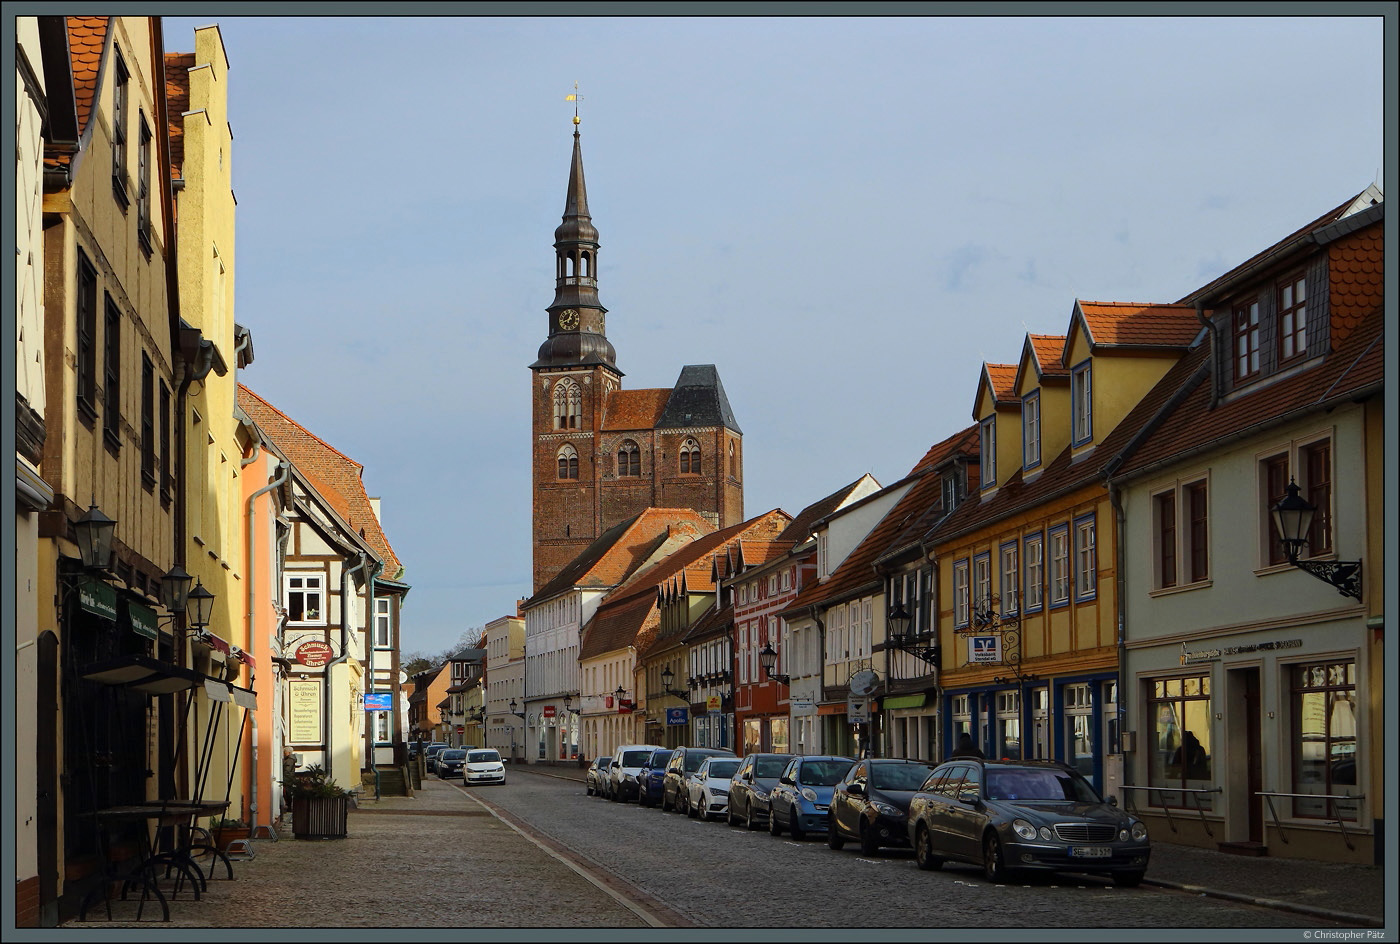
(515, 710)
(568, 701)
(175, 589)
(1293, 516)
(768, 658)
(93, 532)
(667, 677)
(200, 606)
(898, 636)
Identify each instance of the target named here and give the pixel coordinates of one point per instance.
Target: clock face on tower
(568, 319)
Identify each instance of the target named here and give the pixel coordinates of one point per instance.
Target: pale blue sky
(846, 215)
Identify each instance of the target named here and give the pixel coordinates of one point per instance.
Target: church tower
(601, 455)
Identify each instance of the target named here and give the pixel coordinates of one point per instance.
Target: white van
(627, 763)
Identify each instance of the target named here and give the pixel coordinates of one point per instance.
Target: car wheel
(729, 816)
(642, 798)
(869, 842)
(833, 835)
(993, 865)
(794, 826)
(1128, 879)
(923, 851)
(683, 803)
(665, 805)
(749, 822)
(773, 828)
(690, 809)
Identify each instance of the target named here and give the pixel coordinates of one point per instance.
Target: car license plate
(1090, 852)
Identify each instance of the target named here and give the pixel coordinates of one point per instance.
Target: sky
(847, 216)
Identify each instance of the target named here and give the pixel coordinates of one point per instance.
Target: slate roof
(1135, 325)
(634, 409)
(616, 553)
(698, 399)
(915, 511)
(334, 475)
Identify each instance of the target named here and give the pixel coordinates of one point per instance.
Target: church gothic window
(690, 457)
(629, 459)
(568, 462)
(568, 405)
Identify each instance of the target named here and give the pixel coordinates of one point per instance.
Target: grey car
(1040, 815)
(684, 762)
(750, 787)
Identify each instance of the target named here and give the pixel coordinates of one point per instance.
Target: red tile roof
(177, 99)
(618, 552)
(335, 476)
(1356, 266)
(634, 409)
(1123, 324)
(87, 39)
(1044, 353)
(1001, 379)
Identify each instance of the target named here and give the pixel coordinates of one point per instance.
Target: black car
(1039, 815)
(684, 762)
(750, 786)
(449, 762)
(871, 803)
(597, 776)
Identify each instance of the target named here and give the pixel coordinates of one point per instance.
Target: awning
(143, 674)
(904, 701)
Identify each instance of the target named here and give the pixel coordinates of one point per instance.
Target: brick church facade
(602, 454)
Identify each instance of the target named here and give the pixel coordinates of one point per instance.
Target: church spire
(577, 326)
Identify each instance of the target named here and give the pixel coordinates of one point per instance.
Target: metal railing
(1193, 792)
(1331, 799)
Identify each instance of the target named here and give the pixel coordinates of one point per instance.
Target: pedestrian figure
(966, 748)
(289, 776)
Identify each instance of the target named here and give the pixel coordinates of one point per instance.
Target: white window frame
(383, 623)
(1086, 568)
(315, 583)
(1030, 430)
(987, 433)
(962, 612)
(1180, 490)
(1011, 577)
(982, 580)
(1034, 558)
(1081, 394)
(1059, 566)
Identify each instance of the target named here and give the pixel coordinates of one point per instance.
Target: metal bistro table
(171, 813)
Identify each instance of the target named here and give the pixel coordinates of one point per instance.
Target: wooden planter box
(223, 836)
(320, 817)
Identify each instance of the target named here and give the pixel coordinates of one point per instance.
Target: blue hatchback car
(799, 802)
(651, 777)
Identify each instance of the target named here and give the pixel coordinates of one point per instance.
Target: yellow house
(1027, 595)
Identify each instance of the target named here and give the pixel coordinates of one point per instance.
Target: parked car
(627, 763)
(707, 790)
(750, 787)
(448, 763)
(430, 754)
(684, 762)
(1039, 815)
(651, 777)
(871, 803)
(597, 774)
(483, 765)
(800, 800)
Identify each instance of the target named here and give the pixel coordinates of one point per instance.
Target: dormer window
(1293, 318)
(1246, 334)
(1081, 393)
(988, 431)
(1030, 429)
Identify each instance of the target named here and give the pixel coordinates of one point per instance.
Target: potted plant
(225, 830)
(320, 806)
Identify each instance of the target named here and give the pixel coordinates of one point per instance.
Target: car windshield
(483, 757)
(723, 768)
(693, 762)
(633, 758)
(1030, 784)
(659, 758)
(898, 776)
(452, 755)
(823, 773)
(770, 766)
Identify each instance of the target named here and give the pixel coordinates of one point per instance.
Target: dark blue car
(651, 777)
(799, 802)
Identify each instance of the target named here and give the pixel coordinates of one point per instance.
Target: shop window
(1324, 743)
(1180, 754)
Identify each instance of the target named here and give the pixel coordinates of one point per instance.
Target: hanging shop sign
(98, 599)
(549, 711)
(143, 620)
(624, 706)
(857, 709)
(677, 715)
(314, 653)
(712, 704)
(983, 649)
(379, 701)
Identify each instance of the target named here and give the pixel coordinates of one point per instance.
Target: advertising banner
(304, 702)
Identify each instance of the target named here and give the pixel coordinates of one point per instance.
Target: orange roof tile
(177, 99)
(1047, 353)
(87, 38)
(1356, 267)
(1126, 324)
(628, 545)
(335, 476)
(1003, 380)
(634, 409)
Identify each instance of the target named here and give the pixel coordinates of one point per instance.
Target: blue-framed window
(962, 610)
(1086, 566)
(1010, 579)
(982, 581)
(1081, 397)
(988, 458)
(1059, 565)
(1030, 430)
(1034, 585)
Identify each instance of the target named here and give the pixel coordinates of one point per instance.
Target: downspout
(283, 469)
(343, 657)
(1214, 341)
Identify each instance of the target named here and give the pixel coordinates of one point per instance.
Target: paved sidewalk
(1348, 894)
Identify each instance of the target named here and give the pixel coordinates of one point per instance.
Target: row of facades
(129, 409)
(1090, 572)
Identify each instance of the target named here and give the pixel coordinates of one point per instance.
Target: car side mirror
(856, 789)
(1113, 801)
